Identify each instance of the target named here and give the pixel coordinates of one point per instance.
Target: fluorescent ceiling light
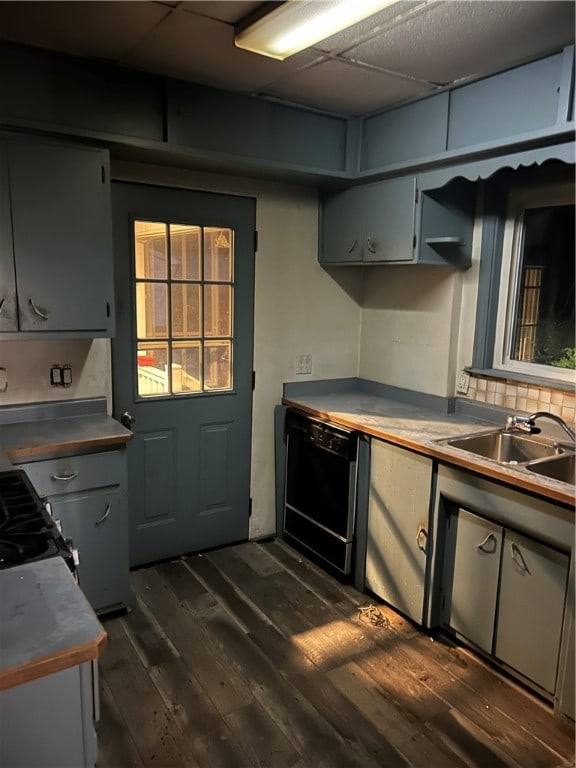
(299, 24)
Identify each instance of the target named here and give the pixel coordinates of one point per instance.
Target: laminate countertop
(46, 623)
(420, 429)
(49, 438)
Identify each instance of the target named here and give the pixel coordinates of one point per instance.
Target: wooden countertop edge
(28, 451)
(55, 662)
(436, 452)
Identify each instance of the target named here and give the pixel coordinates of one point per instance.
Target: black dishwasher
(320, 495)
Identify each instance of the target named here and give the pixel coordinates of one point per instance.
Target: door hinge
(107, 309)
(103, 174)
(255, 240)
(253, 380)
(414, 241)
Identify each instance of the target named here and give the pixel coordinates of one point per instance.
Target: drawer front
(74, 473)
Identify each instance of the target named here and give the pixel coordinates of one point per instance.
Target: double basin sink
(531, 452)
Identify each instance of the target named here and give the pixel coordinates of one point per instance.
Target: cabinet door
(341, 227)
(60, 199)
(531, 608)
(398, 510)
(8, 313)
(97, 523)
(473, 550)
(389, 213)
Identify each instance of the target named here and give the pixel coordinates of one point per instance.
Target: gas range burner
(27, 532)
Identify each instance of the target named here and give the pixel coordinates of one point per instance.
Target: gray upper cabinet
(55, 236)
(369, 224)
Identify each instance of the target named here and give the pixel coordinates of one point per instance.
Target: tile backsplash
(520, 396)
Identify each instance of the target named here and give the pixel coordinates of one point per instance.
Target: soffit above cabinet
(402, 53)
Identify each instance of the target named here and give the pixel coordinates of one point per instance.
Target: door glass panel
(218, 365)
(186, 367)
(151, 251)
(151, 310)
(185, 244)
(217, 304)
(152, 360)
(218, 245)
(184, 308)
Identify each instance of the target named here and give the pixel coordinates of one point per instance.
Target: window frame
(494, 211)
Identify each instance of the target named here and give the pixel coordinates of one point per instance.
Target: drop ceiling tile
(455, 40)
(230, 11)
(94, 29)
(198, 49)
(341, 87)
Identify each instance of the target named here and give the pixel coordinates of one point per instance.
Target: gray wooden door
(182, 365)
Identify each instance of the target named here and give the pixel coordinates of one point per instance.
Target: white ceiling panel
(338, 86)
(96, 29)
(230, 11)
(465, 38)
(200, 49)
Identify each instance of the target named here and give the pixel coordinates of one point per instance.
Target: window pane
(218, 254)
(185, 252)
(186, 309)
(217, 316)
(152, 360)
(217, 365)
(186, 367)
(150, 252)
(151, 310)
(544, 315)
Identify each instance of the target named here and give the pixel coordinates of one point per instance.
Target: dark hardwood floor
(251, 656)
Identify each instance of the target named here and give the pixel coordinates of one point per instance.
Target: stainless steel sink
(556, 468)
(506, 447)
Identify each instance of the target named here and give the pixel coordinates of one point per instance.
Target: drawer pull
(484, 544)
(518, 557)
(353, 246)
(37, 311)
(65, 478)
(105, 515)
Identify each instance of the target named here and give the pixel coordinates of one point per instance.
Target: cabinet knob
(127, 419)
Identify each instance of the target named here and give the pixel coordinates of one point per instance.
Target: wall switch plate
(303, 364)
(463, 383)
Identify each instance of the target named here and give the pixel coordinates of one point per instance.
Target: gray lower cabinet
(506, 593)
(49, 722)
(87, 494)
(398, 521)
(472, 577)
(55, 239)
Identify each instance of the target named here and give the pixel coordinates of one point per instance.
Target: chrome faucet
(528, 423)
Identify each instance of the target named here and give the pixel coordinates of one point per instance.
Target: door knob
(127, 419)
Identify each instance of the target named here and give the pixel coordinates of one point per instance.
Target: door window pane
(186, 309)
(218, 245)
(218, 365)
(186, 367)
(185, 243)
(152, 362)
(151, 256)
(217, 305)
(151, 310)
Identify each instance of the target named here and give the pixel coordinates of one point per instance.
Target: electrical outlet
(463, 382)
(303, 364)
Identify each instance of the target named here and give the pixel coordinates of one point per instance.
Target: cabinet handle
(518, 557)
(2, 302)
(422, 538)
(37, 311)
(105, 515)
(372, 247)
(353, 246)
(65, 478)
(482, 545)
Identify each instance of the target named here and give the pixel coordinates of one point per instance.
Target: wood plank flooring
(250, 656)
